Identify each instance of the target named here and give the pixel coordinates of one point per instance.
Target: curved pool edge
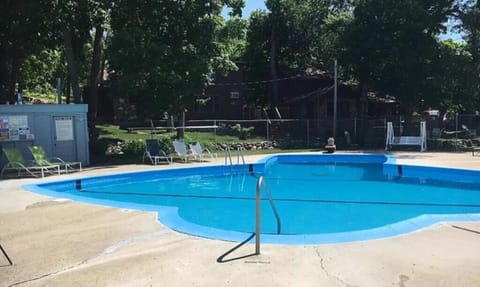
(169, 216)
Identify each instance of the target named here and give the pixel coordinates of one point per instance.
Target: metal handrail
(258, 200)
(240, 155)
(228, 155)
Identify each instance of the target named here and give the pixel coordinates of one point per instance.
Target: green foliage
(164, 52)
(165, 143)
(294, 35)
(232, 42)
(40, 71)
(134, 147)
(390, 46)
(242, 132)
(450, 78)
(257, 56)
(26, 28)
(470, 17)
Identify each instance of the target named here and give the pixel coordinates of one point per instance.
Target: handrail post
(228, 155)
(258, 201)
(257, 216)
(240, 154)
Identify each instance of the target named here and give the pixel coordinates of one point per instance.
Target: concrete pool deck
(55, 242)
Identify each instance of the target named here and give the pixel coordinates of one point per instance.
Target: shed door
(64, 143)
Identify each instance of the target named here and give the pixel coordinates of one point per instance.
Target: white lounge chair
(181, 150)
(198, 152)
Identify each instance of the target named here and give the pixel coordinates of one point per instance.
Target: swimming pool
(320, 198)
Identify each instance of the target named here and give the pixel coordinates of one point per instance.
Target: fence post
(268, 134)
(355, 127)
(308, 133)
(215, 130)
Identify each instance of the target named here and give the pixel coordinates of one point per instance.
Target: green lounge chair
(41, 159)
(17, 162)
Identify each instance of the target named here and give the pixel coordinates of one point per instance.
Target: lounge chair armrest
(14, 164)
(212, 154)
(31, 162)
(55, 159)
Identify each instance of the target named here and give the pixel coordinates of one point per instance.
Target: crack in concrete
(109, 249)
(324, 269)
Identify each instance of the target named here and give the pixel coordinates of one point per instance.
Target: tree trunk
(67, 90)
(95, 73)
(72, 66)
(181, 131)
(11, 91)
(4, 74)
(273, 68)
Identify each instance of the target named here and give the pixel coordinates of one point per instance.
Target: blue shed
(61, 130)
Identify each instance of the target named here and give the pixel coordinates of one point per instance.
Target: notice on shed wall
(18, 126)
(64, 128)
(18, 122)
(4, 131)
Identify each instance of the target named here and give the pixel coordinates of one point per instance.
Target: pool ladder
(228, 155)
(261, 182)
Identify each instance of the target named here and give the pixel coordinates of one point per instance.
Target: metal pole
(308, 133)
(215, 130)
(183, 123)
(355, 126)
(456, 131)
(59, 91)
(268, 123)
(268, 135)
(257, 216)
(335, 100)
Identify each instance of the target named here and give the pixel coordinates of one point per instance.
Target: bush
(166, 144)
(241, 132)
(134, 147)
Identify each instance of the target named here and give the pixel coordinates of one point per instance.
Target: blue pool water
(319, 198)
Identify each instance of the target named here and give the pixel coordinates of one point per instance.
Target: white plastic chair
(181, 150)
(198, 152)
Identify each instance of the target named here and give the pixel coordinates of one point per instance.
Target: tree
(73, 26)
(163, 52)
(25, 29)
(40, 70)
(99, 11)
(391, 45)
(232, 42)
(470, 17)
(294, 35)
(450, 77)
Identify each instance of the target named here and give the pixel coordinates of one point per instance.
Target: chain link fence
(350, 133)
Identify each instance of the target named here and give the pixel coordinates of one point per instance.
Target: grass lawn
(110, 135)
(115, 133)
